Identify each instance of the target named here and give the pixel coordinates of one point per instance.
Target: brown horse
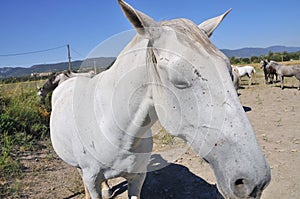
(285, 71)
(269, 73)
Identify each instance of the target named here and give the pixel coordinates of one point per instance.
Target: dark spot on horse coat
(199, 75)
(92, 145)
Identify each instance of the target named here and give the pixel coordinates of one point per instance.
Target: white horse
(245, 71)
(169, 72)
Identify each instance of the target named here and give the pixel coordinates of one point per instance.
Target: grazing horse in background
(170, 72)
(245, 71)
(269, 73)
(285, 71)
(57, 79)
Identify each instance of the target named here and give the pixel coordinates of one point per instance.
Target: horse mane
(188, 31)
(274, 63)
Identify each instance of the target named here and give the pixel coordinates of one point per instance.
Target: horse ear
(144, 25)
(210, 25)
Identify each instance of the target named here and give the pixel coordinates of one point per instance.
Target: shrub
(24, 113)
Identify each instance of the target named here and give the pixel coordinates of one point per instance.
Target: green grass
(162, 137)
(23, 124)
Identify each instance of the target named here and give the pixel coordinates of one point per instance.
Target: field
(274, 114)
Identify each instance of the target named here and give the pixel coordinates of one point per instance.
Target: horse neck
(277, 66)
(127, 89)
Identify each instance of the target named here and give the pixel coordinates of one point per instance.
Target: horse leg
(282, 80)
(135, 183)
(250, 79)
(92, 181)
(272, 78)
(266, 76)
(86, 192)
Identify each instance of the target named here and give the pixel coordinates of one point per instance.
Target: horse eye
(182, 84)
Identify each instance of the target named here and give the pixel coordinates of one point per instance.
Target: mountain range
(104, 62)
(84, 65)
(250, 52)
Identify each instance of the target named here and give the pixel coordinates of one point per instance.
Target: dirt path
(275, 116)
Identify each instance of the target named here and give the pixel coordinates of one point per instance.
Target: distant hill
(101, 63)
(250, 52)
(104, 62)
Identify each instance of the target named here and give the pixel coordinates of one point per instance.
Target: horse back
(289, 71)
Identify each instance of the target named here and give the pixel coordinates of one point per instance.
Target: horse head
(263, 64)
(194, 98)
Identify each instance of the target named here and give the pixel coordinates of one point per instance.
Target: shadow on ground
(174, 181)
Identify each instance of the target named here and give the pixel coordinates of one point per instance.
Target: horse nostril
(241, 188)
(239, 182)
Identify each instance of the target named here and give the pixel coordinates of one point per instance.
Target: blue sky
(33, 25)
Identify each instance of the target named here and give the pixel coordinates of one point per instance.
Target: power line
(32, 52)
(76, 52)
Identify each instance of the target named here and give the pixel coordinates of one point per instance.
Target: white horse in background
(169, 72)
(248, 71)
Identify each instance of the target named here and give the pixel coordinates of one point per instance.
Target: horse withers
(169, 72)
(285, 71)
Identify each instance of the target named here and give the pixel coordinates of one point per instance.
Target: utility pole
(69, 57)
(95, 69)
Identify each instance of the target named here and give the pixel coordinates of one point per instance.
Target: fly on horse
(57, 79)
(269, 73)
(285, 71)
(169, 72)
